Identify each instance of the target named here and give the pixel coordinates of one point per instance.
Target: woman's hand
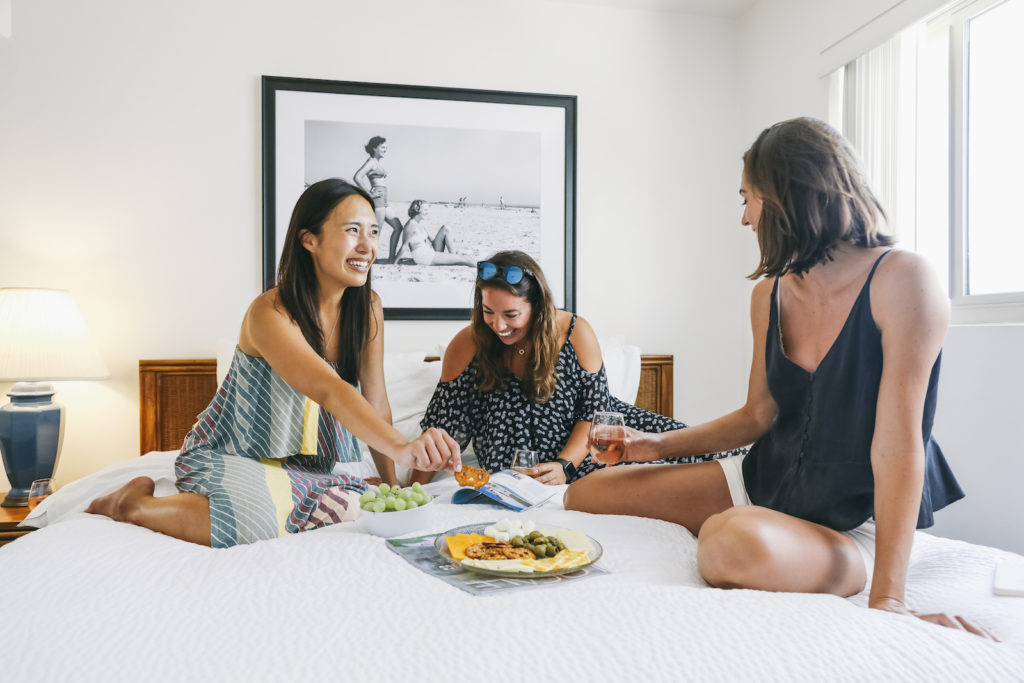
(432, 450)
(640, 446)
(550, 473)
(941, 618)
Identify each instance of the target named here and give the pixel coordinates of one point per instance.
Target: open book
(509, 488)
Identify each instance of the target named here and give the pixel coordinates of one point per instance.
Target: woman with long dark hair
(305, 382)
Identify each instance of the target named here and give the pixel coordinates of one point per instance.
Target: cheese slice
(573, 540)
(458, 543)
(565, 559)
(501, 565)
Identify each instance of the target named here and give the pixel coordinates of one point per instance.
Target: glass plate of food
(564, 551)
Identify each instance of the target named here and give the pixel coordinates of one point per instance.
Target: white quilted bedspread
(91, 599)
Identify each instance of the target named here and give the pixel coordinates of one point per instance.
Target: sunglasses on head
(513, 275)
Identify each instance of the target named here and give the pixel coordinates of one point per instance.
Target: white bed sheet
(91, 599)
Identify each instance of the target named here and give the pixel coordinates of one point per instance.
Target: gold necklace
(520, 351)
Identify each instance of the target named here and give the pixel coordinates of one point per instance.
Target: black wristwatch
(568, 468)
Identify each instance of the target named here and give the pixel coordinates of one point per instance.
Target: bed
(92, 599)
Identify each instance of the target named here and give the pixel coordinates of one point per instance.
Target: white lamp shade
(43, 338)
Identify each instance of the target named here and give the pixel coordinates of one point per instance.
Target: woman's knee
(733, 547)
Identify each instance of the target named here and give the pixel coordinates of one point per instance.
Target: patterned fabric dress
(502, 420)
(263, 453)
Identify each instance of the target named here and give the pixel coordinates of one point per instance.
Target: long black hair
(297, 285)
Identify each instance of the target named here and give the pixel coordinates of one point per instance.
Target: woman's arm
(738, 428)
(912, 314)
(403, 243)
(361, 179)
(457, 356)
(371, 382)
(269, 332)
(588, 351)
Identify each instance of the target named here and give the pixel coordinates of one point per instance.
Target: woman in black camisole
(847, 343)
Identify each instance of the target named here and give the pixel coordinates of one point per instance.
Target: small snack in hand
(472, 476)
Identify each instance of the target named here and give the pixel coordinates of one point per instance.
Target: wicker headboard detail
(173, 392)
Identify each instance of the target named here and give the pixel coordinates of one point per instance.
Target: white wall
(787, 48)
(130, 169)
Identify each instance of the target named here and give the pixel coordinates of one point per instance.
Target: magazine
(509, 488)
(420, 553)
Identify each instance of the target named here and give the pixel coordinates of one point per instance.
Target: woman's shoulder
(906, 284)
(458, 355)
(584, 341)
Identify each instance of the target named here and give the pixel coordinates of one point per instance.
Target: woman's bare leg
(182, 515)
(754, 547)
(396, 233)
(737, 547)
(682, 494)
(442, 241)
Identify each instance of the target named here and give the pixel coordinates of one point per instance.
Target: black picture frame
(482, 140)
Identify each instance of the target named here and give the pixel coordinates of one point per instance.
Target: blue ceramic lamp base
(31, 433)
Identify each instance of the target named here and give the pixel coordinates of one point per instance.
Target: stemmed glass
(524, 460)
(607, 437)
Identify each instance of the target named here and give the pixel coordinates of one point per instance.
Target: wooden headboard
(173, 392)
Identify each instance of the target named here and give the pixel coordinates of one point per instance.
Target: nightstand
(9, 529)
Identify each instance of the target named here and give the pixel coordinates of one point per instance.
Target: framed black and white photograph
(456, 175)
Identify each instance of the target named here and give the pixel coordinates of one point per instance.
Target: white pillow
(76, 496)
(622, 365)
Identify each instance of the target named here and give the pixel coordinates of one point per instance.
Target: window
(934, 113)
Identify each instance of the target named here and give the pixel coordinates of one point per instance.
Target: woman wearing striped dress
(305, 382)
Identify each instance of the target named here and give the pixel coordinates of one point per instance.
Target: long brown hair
(297, 285)
(539, 384)
(814, 197)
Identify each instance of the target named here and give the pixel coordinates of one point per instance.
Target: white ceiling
(715, 8)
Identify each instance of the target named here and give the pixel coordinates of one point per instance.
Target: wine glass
(40, 489)
(524, 460)
(607, 437)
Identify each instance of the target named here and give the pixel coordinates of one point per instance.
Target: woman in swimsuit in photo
(424, 251)
(372, 178)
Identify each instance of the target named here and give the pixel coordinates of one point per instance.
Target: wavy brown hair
(297, 285)
(491, 353)
(814, 197)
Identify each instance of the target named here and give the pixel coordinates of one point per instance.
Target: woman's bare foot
(120, 503)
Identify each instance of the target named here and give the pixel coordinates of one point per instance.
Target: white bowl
(399, 522)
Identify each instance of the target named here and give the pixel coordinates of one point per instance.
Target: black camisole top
(815, 461)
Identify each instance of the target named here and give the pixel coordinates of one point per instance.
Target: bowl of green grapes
(394, 511)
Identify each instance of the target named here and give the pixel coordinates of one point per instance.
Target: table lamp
(43, 338)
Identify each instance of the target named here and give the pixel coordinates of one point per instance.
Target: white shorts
(863, 536)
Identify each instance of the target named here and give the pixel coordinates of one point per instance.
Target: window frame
(951, 25)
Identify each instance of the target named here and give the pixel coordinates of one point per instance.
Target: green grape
(368, 505)
(390, 502)
(367, 497)
(411, 503)
(378, 505)
(385, 489)
(399, 504)
(416, 486)
(422, 498)
(405, 493)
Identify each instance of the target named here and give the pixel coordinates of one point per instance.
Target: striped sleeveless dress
(263, 453)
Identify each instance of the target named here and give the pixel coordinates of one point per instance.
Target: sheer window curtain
(874, 105)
